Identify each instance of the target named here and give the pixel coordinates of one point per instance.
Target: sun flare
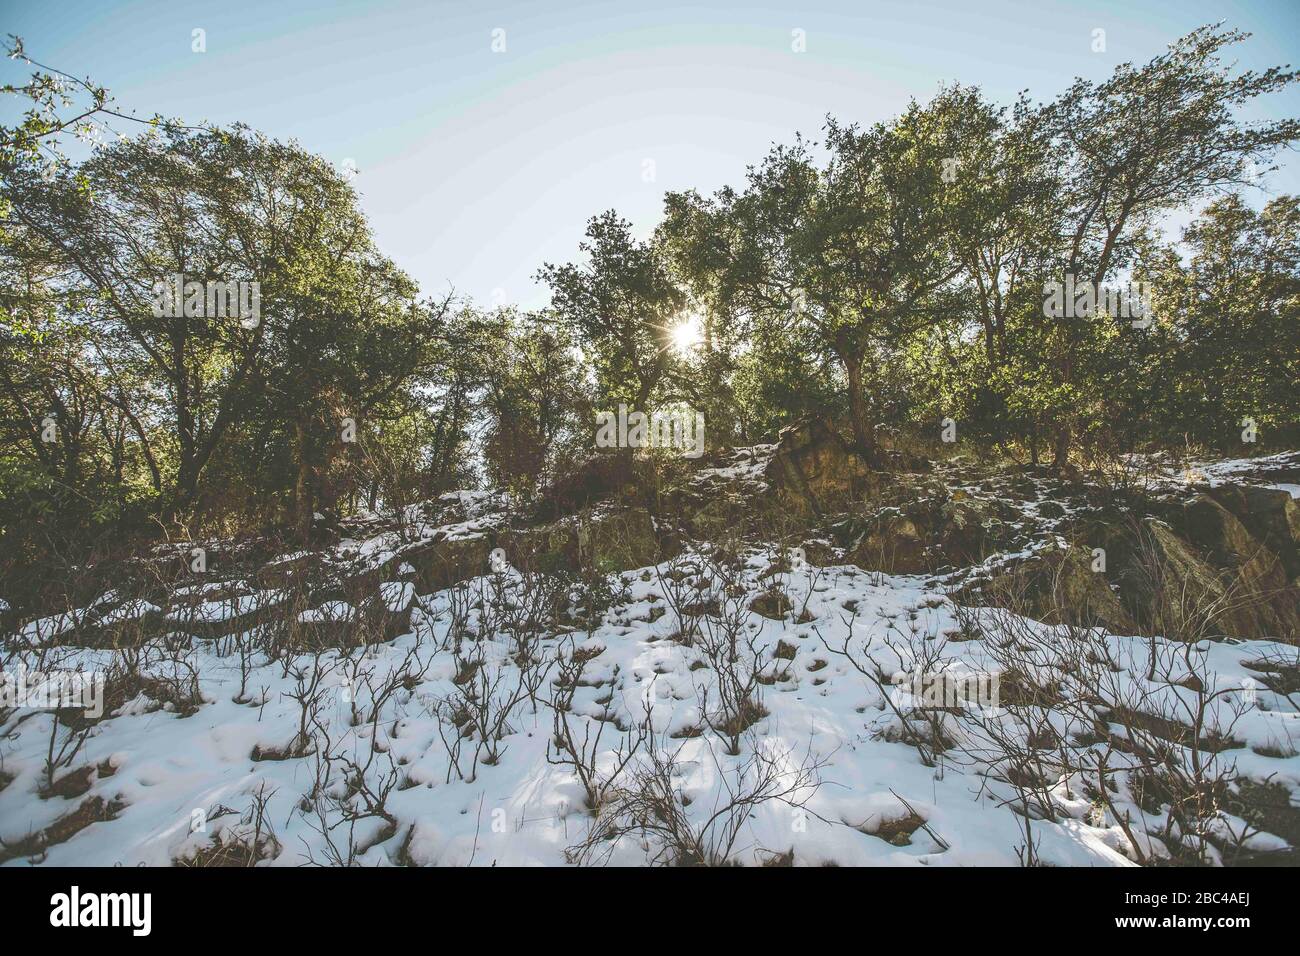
(686, 334)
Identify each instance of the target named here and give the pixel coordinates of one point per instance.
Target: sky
(484, 135)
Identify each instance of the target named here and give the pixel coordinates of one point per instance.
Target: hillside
(921, 668)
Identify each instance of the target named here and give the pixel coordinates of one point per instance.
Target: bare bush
(651, 807)
(580, 750)
(685, 590)
(249, 842)
(727, 637)
(352, 782)
(913, 651)
(1138, 726)
(309, 693)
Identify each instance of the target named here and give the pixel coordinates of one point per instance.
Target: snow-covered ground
(1262, 470)
(850, 787)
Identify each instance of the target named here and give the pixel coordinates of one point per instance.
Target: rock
(1051, 509)
(893, 544)
(607, 538)
(441, 563)
(1023, 486)
(1216, 531)
(220, 614)
(1260, 586)
(817, 552)
(772, 603)
(962, 532)
(1170, 595)
(1181, 593)
(1058, 586)
(380, 618)
(926, 535)
(1275, 510)
(813, 468)
(1270, 514)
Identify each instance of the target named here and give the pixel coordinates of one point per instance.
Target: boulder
(1057, 585)
(444, 561)
(891, 543)
(380, 617)
(927, 535)
(813, 468)
(606, 538)
(1260, 586)
(1051, 509)
(1270, 514)
(1218, 533)
(964, 532)
(232, 610)
(1218, 581)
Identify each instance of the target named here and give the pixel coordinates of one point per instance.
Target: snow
(329, 612)
(160, 756)
(287, 558)
(526, 810)
(130, 611)
(1216, 472)
(210, 612)
(749, 465)
(397, 595)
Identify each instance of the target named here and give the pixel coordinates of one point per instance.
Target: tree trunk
(1061, 447)
(303, 498)
(863, 434)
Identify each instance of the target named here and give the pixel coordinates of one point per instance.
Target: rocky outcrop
(606, 537)
(1216, 575)
(1174, 592)
(893, 543)
(443, 561)
(1058, 585)
(933, 533)
(1211, 563)
(1270, 514)
(813, 468)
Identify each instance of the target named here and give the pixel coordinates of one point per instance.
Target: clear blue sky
(475, 167)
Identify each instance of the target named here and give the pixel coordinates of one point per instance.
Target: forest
(1027, 370)
(887, 278)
